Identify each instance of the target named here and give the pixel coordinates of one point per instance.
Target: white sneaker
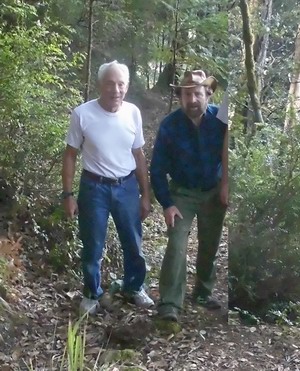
(89, 306)
(142, 300)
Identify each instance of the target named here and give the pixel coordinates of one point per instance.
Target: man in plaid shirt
(189, 176)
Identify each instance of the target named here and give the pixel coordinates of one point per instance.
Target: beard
(195, 111)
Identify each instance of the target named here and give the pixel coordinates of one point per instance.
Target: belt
(105, 180)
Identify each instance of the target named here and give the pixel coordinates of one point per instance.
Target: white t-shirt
(223, 109)
(105, 138)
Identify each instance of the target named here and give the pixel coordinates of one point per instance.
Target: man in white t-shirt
(108, 132)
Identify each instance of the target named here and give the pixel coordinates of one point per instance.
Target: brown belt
(105, 180)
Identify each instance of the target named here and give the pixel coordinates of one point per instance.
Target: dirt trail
(47, 301)
(44, 302)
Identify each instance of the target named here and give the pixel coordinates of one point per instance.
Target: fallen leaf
(16, 354)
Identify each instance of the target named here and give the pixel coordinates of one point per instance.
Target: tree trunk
(164, 79)
(174, 51)
(293, 106)
(148, 81)
(154, 74)
(250, 65)
(132, 67)
(261, 43)
(162, 50)
(156, 62)
(89, 53)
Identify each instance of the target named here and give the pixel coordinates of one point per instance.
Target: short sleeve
(139, 140)
(74, 137)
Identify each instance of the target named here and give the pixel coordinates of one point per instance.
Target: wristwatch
(65, 195)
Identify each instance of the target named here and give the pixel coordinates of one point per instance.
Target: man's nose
(116, 88)
(193, 98)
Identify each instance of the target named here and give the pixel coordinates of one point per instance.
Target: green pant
(210, 216)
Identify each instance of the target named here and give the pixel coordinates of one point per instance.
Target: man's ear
(177, 92)
(209, 92)
(127, 87)
(98, 86)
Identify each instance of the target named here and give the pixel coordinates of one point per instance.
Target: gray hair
(114, 64)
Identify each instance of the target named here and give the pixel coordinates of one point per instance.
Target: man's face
(194, 101)
(112, 88)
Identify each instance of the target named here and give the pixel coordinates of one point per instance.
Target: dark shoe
(208, 303)
(168, 313)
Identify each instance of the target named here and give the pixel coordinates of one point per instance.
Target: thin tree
(250, 64)
(261, 43)
(174, 49)
(89, 52)
(293, 106)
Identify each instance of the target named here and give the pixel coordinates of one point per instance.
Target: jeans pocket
(87, 183)
(130, 185)
(86, 189)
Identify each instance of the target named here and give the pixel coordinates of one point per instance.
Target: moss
(121, 356)
(167, 327)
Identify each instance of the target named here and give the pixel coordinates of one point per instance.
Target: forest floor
(34, 319)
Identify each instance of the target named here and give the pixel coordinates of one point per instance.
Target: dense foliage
(264, 235)
(43, 76)
(38, 87)
(264, 254)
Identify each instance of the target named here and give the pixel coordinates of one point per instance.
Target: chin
(195, 115)
(115, 108)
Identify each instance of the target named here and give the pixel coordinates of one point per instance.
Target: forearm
(68, 171)
(224, 178)
(161, 191)
(142, 175)
(160, 168)
(159, 181)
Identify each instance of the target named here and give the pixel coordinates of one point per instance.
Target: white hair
(114, 64)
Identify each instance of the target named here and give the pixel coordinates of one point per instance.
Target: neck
(197, 121)
(107, 107)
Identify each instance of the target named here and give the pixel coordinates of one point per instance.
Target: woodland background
(50, 53)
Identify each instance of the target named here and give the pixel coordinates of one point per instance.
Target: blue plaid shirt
(190, 155)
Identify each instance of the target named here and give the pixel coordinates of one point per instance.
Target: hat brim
(210, 81)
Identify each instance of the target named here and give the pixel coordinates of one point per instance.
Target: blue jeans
(96, 201)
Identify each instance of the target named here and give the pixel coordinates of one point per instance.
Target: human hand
(70, 207)
(145, 206)
(170, 213)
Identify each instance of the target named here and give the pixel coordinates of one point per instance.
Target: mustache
(194, 106)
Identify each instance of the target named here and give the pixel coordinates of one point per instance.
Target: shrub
(38, 89)
(264, 220)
